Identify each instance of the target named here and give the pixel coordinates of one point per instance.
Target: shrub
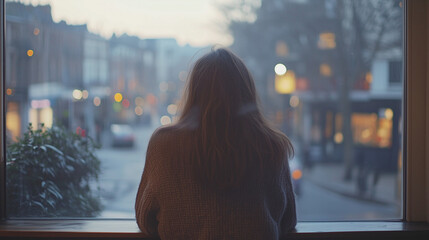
(50, 173)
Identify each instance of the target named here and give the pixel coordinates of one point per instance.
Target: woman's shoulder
(166, 144)
(165, 134)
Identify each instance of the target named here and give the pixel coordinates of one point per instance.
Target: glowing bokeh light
(285, 84)
(138, 110)
(77, 94)
(97, 101)
(165, 120)
(326, 40)
(294, 101)
(126, 103)
(30, 53)
(172, 109)
(325, 70)
(338, 138)
(85, 94)
(36, 31)
(9, 91)
(118, 97)
(388, 113)
(368, 77)
(296, 174)
(280, 69)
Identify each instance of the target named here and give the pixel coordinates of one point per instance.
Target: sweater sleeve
(146, 205)
(288, 222)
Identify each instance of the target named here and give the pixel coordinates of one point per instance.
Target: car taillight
(296, 174)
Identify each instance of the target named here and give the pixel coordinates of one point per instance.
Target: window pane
(96, 78)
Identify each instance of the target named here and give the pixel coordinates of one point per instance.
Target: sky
(194, 22)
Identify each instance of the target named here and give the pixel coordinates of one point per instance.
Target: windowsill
(128, 229)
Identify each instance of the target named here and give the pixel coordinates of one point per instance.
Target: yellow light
(280, 69)
(32, 118)
(388, 113)
(9, 91)
(285, 84)
(294, 101)
(97, 101)
(85, 94)
(325, 70)
(296, 174)
(46, 117)
(368, 77)
(165, 120)
(30, 53)
(138, 110)
(77, 94)
(172, 109)
(36, 31)
(338, 138)
(366, 133)
(118, 97)
(326, 40)
(13, 120)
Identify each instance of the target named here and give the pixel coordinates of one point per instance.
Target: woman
(221, 172)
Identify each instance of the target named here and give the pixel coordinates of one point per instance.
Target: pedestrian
(221, 171)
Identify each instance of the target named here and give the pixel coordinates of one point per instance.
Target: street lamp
(286, 83)
(280, 69)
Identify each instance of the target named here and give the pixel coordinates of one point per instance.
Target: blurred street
(121, 172)
(322, 197)
(340, 101)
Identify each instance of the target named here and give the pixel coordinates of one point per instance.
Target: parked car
(296, 174)
(122, 135)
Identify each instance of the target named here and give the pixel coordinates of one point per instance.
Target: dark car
(122, 135)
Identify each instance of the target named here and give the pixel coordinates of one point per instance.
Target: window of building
(108, 80)
(395, 72)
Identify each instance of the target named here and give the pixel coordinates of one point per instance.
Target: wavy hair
(232, 143)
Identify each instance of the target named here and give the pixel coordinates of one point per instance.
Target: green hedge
(51, 172)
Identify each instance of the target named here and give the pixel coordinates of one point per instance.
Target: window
(115, 84)
(395, 72)
(126, 71)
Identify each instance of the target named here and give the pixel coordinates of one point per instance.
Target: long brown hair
(233, 144)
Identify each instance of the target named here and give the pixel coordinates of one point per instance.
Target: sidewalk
(330, 177)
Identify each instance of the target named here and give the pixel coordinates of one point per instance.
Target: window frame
(415, 141)
(416, 122)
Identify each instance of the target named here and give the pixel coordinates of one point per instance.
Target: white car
(122, 135)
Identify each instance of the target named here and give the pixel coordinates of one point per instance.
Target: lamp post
(285, 84)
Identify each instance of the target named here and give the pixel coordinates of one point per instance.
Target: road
(121, 172)
(122, 169)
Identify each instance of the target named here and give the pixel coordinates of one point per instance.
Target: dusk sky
(197, 22)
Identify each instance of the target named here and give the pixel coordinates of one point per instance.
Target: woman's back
(187, 209)
(221, 172)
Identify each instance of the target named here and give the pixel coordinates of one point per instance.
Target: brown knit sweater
(170, 204)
